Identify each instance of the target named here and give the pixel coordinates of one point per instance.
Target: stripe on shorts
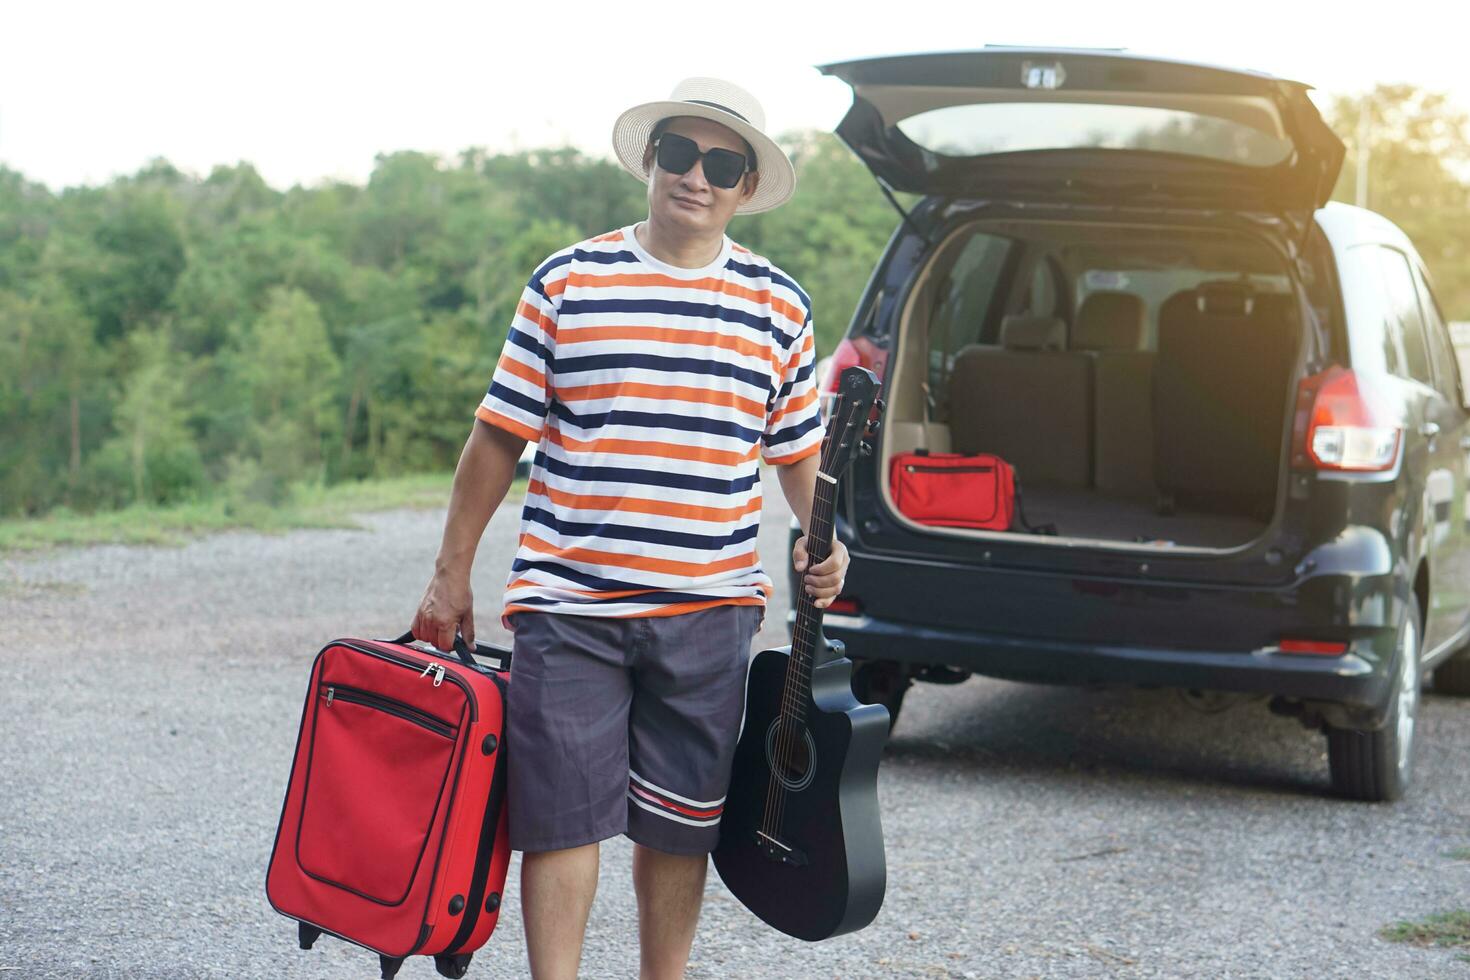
(678, 808)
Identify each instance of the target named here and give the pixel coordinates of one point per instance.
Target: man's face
(687, 200)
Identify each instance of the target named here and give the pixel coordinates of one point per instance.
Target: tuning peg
(878, 403)
(865, 448)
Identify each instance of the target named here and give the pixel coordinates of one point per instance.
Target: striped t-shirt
(650, 390)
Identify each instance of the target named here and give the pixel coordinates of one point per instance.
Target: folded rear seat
(1220, 392)
(1111, 327)
(1029, 402)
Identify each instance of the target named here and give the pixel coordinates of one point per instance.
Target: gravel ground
(149, 701)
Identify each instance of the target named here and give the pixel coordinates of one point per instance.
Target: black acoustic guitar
(801, 844)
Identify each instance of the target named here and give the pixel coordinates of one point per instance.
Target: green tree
(1418, 176)
(153, 438)
(288, 373)
(829, 236)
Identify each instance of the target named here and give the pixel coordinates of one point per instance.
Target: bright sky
(309, 89)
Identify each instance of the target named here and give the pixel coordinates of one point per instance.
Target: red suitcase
(392, 834)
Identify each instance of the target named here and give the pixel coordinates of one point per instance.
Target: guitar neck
(808, 628)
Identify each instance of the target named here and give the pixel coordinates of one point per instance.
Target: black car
(1238, 403)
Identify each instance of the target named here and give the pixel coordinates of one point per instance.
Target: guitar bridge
(775, 849)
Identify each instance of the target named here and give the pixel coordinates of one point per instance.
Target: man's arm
(486, 468)
(798, 483)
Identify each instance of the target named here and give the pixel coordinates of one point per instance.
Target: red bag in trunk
(392, 835)
(954, 489)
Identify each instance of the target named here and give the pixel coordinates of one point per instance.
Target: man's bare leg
(557, 888)
(670, 891)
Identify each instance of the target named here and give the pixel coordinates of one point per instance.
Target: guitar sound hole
(791, 754)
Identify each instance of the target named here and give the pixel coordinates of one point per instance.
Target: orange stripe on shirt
(669, 610)
(546, 323)
(667, 335)
(792, 405)
(509, 424)
(528, 584)
(639, 389)
(643, 505)
(665, 450)
(663, 566)
(525, 583)
(795, 457)
(709, 284)
(521, 370)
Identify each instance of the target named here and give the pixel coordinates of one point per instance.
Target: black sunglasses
(677, 154)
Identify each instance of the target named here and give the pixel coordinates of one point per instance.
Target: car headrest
(1026, 332)
(1225, 298)
(1110, 321)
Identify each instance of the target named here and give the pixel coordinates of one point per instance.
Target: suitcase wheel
(389, 965)
(455, 965)
(307, 935)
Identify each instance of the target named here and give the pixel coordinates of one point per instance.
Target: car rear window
(981, 129)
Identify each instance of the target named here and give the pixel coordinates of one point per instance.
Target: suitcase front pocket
(375, 780)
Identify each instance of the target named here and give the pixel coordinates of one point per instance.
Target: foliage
(172, 339)
(1450, 929)
(211, 343)
(1418, 166)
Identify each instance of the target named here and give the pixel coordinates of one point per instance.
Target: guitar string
(802, 668)
(806, 632)
(786, 724)
(774, 802)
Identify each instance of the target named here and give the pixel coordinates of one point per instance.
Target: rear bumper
(1357, 679)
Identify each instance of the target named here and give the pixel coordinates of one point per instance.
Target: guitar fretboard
(808, 627)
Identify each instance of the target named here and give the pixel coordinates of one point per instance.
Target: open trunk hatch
(1089, 126)
(1138, 375)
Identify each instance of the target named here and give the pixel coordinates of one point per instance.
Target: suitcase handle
(462, 650)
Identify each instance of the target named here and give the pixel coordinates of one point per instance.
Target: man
(653, 366)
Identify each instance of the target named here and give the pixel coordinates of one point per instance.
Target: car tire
(1453, 676)
(881, 682)
(1377, 766)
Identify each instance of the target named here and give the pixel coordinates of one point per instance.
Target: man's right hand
(485, 472)
(447, 606)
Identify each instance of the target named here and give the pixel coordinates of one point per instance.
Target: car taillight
(844, 605)
(1340, 424)
(844, 357)
(862, 353)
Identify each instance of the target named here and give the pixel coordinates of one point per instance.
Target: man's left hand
(823, 581)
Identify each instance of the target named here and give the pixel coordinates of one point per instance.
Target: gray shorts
(625, 726)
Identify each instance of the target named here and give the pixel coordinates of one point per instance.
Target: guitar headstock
(848, 423)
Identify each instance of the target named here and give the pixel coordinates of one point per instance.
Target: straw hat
(725, 103)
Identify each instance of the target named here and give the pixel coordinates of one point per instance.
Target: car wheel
(1377, 765)
(1453, 676)
(881, 682)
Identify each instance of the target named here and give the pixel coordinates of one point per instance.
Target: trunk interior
(1138, 377)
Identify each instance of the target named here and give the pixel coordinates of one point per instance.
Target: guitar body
(825, 874)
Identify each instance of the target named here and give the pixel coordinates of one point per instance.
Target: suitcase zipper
(440, 673)
(948, 469)
(368, 699)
